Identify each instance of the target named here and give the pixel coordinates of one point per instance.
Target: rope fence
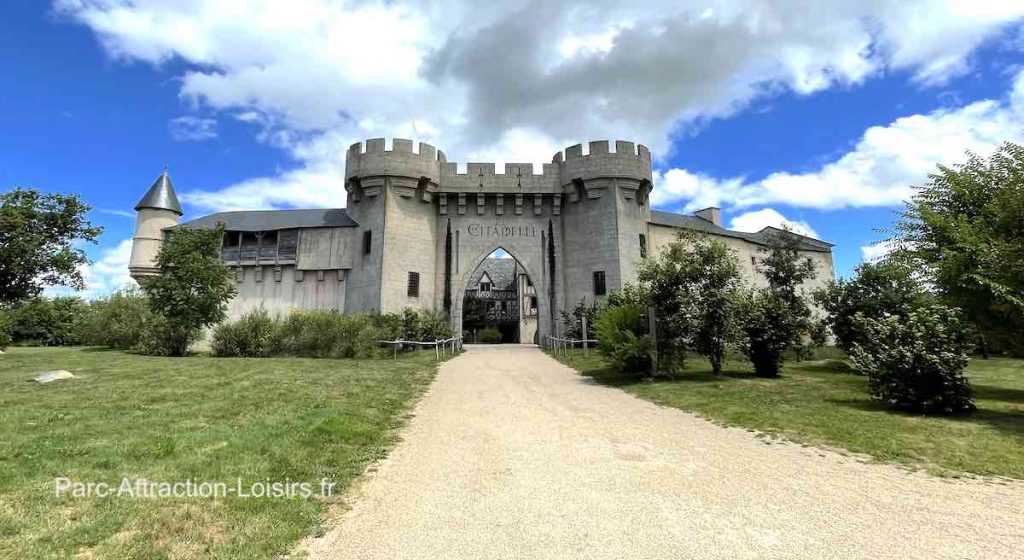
(565, 346)
(441, 347)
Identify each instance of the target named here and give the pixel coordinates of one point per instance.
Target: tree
(777, 317)
(876, 291)
(695, 286)
(573, 320)
(193, 292)
(964, 231)
(38, 233)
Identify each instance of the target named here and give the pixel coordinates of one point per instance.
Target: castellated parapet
(428, 169)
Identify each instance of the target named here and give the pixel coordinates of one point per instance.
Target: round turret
(158, 210)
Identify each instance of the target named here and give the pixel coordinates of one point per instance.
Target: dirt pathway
(512, 455)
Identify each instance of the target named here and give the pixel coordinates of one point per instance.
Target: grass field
(172, 419)
(814, 403)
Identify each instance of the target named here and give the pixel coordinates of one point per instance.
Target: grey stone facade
(414, 230)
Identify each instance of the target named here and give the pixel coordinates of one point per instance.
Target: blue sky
(822, 116)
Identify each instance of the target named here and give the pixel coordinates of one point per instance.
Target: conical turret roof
(161, 196)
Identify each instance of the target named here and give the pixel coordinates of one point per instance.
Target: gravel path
(512, 455)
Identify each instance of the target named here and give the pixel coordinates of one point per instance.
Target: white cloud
(107, 274)
(190, 128)
(881, 170)
(768, 217)
(530, 75)
(874, 253)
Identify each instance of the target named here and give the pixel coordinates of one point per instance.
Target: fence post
(437, 353)
(394, 347)
(584, 321)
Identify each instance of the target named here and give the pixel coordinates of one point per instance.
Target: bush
(328, 334)
(117, 321)
(490, 336)
(46, 322)
(255, 335)
(622, 337)
(159, 337)
(5, 337)
(916, 362)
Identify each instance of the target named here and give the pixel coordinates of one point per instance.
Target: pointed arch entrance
(515, 288)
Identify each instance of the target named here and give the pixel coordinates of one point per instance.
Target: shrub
(159, 337)
(328, 334)
(5, 336)
(46, 322)
(916, 362)
(622, 337)
(117, 321)
(255, 335)
(490, 336)
(573, 319)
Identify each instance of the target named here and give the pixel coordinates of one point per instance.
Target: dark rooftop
(270, 220)
(160, 196)
(761, 237)
(500, 270)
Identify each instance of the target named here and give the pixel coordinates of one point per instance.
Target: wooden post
(395, 347)
(584, 321)
(437, 352)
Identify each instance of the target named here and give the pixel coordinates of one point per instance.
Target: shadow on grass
(1009, 422)
(615, 378)
(994, 393)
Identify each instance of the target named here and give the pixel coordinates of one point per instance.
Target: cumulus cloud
(880, 170)
(189, 128)
(769, 217)
(105, 275)
(531, 76)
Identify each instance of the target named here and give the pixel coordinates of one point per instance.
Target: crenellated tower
(158, 210)
(390, 194)
(604, 216)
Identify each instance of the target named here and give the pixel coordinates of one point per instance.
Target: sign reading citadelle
(501, 230)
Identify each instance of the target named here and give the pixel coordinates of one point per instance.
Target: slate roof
(270, 220)
(161, 196)
(761, 237)
(501, 271)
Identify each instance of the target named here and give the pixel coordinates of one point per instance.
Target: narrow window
(485, 286)
(414, 284)
(643, 246)
(599, 287)
(753, 261)
(367, 242)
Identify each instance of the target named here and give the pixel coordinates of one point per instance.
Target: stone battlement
(372, 159)
(602, 148)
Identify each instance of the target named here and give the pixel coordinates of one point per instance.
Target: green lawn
(172, 419)
(816, 404)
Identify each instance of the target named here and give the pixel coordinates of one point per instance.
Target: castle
(414, 231)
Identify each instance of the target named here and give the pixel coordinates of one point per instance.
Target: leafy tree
(38, 233)
(876, 291)
(695, 286)
(193, 292)
(964, 230)
(916, 361)
(777, 318)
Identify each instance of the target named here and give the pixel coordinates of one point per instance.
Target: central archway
(530, 292)
(500, 302)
